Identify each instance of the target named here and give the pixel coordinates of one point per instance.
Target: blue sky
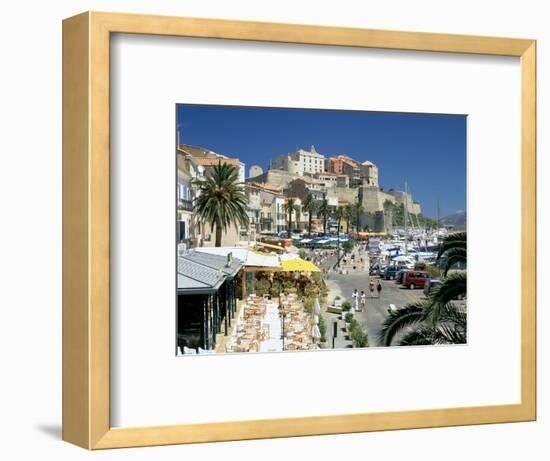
(426, 150)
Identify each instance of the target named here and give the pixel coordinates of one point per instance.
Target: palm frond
(222, 198)
(454, 313)
(456, 240)
(452, 257)
(399, 319)
(452, 287)
(441, 334)
(421, 336)
(309, 204)
(449, 334)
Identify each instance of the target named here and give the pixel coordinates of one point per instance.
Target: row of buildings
(339, 179)
(210, 280)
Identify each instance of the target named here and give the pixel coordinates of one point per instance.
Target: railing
(185, 205)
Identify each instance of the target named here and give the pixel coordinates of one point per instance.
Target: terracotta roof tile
(211, 161)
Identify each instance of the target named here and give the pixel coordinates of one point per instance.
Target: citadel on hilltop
(340, 180)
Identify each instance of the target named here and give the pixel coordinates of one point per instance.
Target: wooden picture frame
(86, 231)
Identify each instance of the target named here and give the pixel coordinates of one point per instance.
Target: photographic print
(308, 229)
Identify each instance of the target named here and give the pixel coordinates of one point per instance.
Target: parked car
(430, 285)
(415, 279)
(391, 271)
(399, 276)
(374, 270)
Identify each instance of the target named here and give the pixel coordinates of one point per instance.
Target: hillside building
(301, 162)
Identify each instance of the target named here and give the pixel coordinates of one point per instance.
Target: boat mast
(438, 225)
(405, 215)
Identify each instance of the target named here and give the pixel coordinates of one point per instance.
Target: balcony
(185, 205)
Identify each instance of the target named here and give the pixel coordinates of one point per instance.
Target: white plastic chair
(204, 351)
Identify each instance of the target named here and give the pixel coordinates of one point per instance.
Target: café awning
(271, 246)
(298, 265)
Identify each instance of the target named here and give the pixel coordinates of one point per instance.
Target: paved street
(356, 276)
(343, 286)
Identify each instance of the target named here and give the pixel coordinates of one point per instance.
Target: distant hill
(455, 219)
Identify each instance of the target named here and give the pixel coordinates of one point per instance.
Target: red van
(415, 279)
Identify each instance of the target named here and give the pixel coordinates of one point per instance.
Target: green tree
(347, 246)
(309, 206)
(349, 213)
(339, 214)
(290, 207)
(437, 319)
(324, 211)
(222, 200)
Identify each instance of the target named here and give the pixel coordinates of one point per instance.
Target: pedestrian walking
(355, 297)
(363, 301)
(371, 288)
(379, 288)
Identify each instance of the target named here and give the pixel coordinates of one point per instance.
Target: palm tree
(339, 213)
(324, 211)
(290, 206)
(222, 200)
(309, 205)
(437, 319)
(349, 212)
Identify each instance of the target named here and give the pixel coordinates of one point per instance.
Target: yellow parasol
(299, 265)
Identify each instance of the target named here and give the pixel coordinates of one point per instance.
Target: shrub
(320, 281)
(308, 305)
(346, 305)
(261, 286)
(347, 246)
(359, 337)
(349, 317)
(323, 328)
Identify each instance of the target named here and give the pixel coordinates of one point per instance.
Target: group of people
(356, 260)
(360, 299)
(322, 258)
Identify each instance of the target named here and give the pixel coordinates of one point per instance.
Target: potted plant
(358, 335)
(346, 308)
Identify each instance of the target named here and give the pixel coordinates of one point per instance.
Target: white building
(188, 171)
(266, 208)
(300, 162)
(255, 170)
(204, 159)
(371, 178)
